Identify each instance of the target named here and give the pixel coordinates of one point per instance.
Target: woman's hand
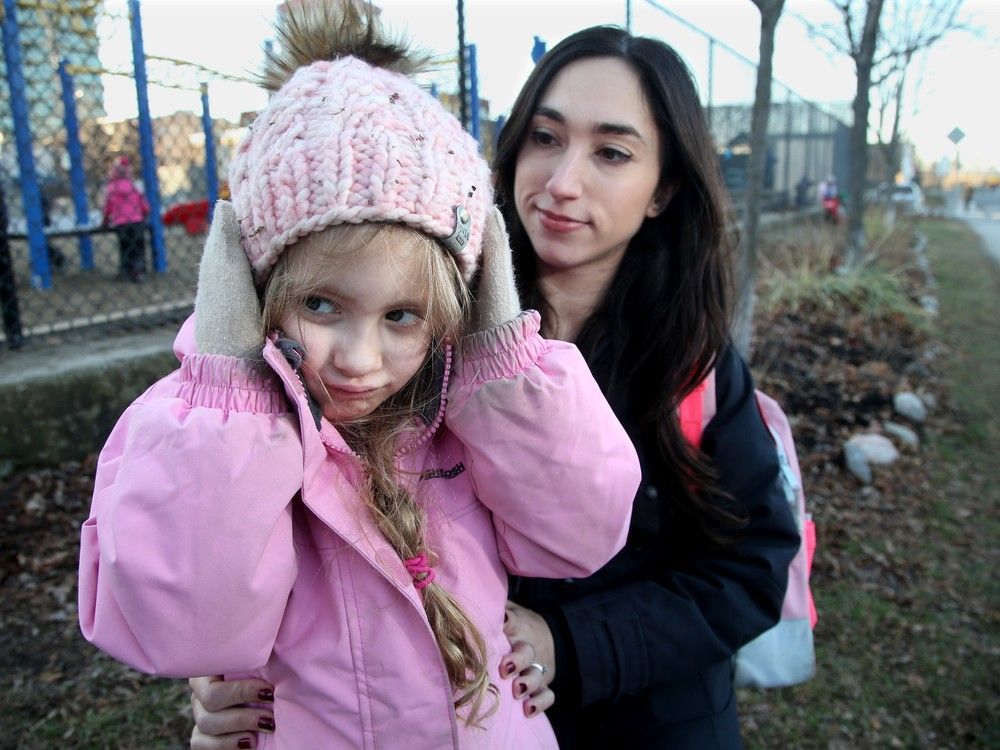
(531, 662)
(222, 716)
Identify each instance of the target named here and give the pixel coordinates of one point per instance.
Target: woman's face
(587, 174)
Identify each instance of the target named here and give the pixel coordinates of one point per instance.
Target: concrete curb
(60, 403)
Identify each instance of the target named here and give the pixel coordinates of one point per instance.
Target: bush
(800, 270)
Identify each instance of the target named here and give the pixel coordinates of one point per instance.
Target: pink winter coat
(226, 536)
(123, 203)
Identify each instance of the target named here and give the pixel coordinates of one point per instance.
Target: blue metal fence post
(146, 148)
(463, 103)
(77, 180)
(31, 195)
(211, 168)
(473, 91)
(537, 50)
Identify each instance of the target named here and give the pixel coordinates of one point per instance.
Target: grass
(969, 294)
(150, 714)
(907, 655)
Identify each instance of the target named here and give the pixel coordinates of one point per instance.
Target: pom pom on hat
(345, 141)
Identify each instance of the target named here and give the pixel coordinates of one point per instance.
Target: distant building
(802, 141)
(48, 33)
(487, 127)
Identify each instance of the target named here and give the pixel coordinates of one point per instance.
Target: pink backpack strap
(697, 409)
(783, 655)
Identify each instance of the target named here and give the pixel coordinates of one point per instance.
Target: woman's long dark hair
(665, 317)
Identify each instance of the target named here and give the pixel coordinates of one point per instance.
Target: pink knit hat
(344, 141)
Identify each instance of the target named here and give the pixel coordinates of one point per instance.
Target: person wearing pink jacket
(125, 211)
(366, 434)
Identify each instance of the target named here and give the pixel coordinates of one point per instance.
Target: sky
(946, 86)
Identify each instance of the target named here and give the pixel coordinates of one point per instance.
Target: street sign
(956, 135)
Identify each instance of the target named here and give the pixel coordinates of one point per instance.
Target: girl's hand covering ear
(496, 295)
(227, 313)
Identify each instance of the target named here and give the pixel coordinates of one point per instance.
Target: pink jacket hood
(227, 535)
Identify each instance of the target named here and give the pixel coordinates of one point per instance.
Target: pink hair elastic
(421, 573)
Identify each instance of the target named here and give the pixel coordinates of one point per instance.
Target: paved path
(983, 216)
(989, 230)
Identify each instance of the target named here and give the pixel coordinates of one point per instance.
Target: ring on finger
(542, 669)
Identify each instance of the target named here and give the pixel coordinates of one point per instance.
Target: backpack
(783, 655)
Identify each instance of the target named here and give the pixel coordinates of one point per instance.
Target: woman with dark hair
(609, 183)
(610, 186)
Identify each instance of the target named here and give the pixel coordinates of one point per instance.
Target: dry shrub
(800, 270)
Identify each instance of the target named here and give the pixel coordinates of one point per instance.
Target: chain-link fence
(807, 141)
(105, 211)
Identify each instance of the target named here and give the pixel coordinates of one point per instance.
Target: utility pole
(463, 107)
(955, 136)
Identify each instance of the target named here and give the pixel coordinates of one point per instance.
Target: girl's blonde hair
(299, 275)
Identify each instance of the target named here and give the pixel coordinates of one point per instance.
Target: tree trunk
(859, 136)
(770, 12)
(895, 140)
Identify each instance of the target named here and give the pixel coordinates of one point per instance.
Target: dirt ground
(885, 594)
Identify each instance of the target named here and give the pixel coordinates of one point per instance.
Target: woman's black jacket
(644, 646)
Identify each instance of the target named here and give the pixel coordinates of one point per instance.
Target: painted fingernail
(265, 723)
(509, 667)
(531, 710)
(521, 688)
(244, 743)
(266, 694)
(505, 617)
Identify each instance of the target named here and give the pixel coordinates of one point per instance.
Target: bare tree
(861, 48)
(908, 30)
(889, 103)
(882, 50)
(770, 12)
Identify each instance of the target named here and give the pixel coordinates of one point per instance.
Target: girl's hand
(227, 313)
(496, 293)
(531, 663)
(221, 714)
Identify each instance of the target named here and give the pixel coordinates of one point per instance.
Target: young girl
(334, 506)
(125, 211)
